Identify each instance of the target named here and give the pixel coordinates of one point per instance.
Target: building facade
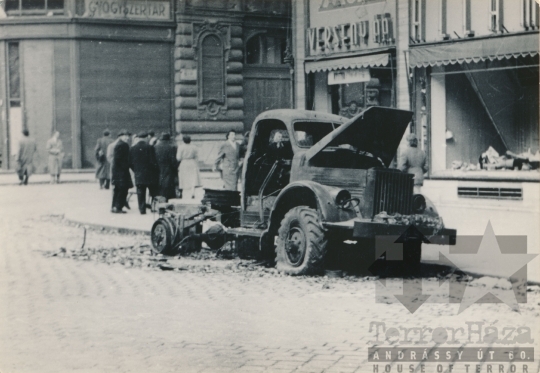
(232, 62)
(474, 66)
(348, 55)
(80, 67)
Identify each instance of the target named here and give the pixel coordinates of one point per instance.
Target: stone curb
(109, 228)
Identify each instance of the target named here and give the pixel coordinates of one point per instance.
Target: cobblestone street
(62, 315)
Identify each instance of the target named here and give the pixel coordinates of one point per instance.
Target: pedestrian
(144, 165)
(227, 161)
(153, 139)
(121, 178)
(55, 148)
(110, 157)
(25, 157)
(103, 171)
(188, 172)
(413, 160)
(168, 166)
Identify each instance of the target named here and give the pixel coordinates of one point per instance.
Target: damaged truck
(325, 186)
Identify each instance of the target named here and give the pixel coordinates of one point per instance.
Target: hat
(142, 134)
(165, 136)
(123, 133)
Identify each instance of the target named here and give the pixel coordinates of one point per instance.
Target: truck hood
(376, 130)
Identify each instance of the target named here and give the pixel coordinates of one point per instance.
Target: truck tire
(301, 244)
(163, 236)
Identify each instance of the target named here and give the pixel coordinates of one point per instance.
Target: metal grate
(494, 193)
(393, 192)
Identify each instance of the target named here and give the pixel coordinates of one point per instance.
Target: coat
(188, 172)
(413, 161)
(25, 156)
(103, 170)
(228, 161)
(168, 166)
(55, 148)
(144, 164)
(120, 166)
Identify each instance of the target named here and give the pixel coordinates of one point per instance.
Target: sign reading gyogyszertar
(127, 9)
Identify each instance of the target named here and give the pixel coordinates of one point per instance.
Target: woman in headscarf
(55, 148)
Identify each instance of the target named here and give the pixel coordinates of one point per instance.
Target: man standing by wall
(25, 157)
(168, 166)
(144, 165)
(121, 178)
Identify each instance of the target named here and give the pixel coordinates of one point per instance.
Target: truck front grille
(393, 191)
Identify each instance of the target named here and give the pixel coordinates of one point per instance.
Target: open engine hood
(376, 130)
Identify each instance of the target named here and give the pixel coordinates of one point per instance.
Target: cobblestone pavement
(62, 315)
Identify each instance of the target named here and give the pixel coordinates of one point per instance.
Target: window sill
(503, 175)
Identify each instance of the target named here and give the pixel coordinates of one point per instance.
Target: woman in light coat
(188, 172)
(55, 148)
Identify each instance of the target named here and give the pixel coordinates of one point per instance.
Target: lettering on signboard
(354, 35)
(127, 9)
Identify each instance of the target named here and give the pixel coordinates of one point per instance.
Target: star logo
(508, 266)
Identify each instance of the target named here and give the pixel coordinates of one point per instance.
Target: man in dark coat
(121, 178)
(103, 171)
(146, 170)
(168, 166)
(25, 157)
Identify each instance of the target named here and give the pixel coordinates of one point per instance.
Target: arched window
(265, 49)
(212, 70)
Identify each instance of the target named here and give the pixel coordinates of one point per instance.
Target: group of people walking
(158, 167)
(27, 154)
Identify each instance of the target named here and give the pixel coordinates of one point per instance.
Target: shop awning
(474, 50)
(373, 60)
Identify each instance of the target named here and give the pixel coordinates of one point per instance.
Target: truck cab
(310, 178)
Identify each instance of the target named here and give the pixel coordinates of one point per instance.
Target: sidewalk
(68, 176)
(97, 213)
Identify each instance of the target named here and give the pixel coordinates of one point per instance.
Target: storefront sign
(355, 35)
(348, 76)
(128, 9)
(339, 4)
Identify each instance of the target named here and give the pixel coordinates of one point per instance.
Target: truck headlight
(418, 204)
(342, 197)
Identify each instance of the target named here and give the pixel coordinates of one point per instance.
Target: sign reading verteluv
(127, 9)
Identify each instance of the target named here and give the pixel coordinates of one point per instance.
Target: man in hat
(25, 157)
(103, 171)
(413, 161)
(146, 170)
(168, 166)
(121, 178)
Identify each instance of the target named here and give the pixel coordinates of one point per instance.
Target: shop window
(34, 7)
(350, 99)
(212, 71)
(491, 120)
(529, 14)
(264, 49)
(418, 19)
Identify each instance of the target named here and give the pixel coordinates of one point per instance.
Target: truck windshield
(309, 133)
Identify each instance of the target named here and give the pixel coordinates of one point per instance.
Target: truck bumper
(367, 229)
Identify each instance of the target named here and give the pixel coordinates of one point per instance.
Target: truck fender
(304, 193)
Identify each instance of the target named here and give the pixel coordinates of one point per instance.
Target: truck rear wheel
(301, 245)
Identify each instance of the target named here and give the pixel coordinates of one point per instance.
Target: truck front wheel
(301, 244)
